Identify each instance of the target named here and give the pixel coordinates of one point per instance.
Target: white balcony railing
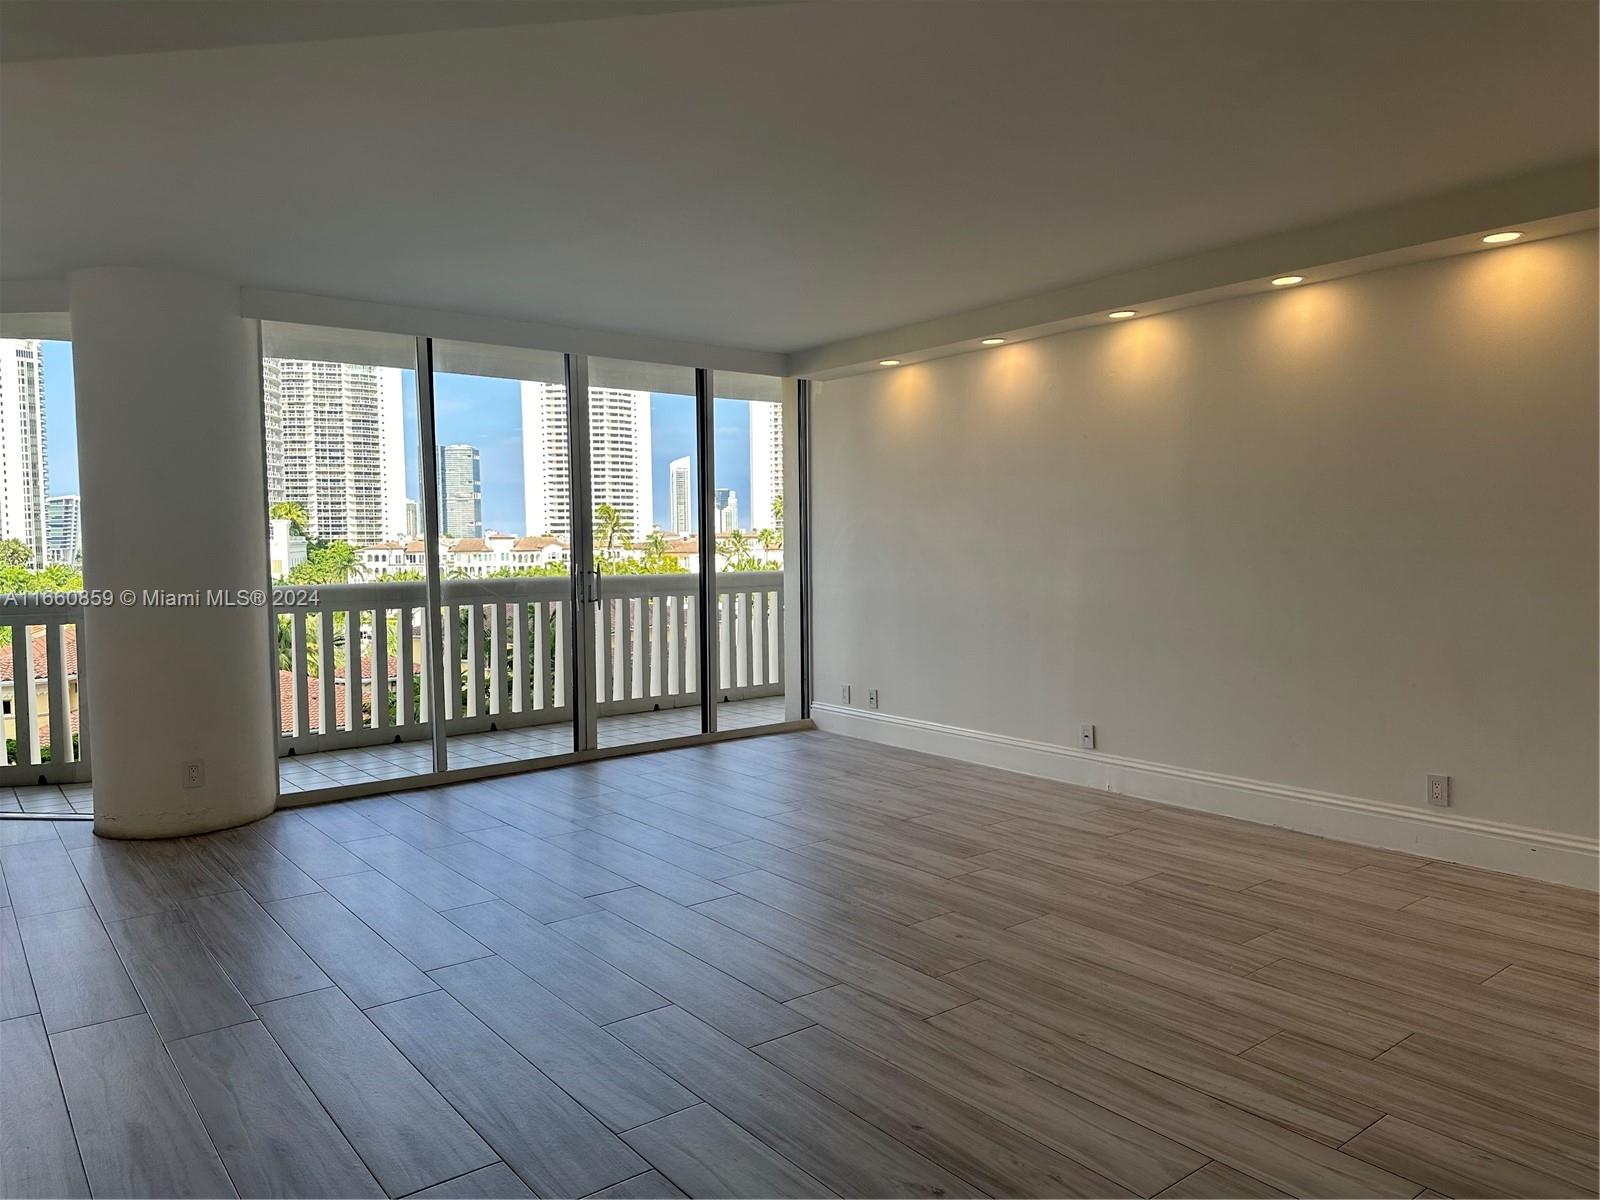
(507, 639)
(46, 740)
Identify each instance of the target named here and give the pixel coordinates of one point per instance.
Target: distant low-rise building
(475, 557)
(286, 549)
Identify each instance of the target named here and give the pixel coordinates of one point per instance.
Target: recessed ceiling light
(1122, 314)
(1509, 235)
(888, 362)
(994, 341)
(1288, 280)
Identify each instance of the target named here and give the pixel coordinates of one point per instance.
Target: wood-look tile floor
(791, 966)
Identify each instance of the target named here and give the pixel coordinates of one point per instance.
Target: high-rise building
(336, 446)
(24, 467)
(766, 465)
(413, 520)
(460, 491)
(619, 457)
(727, 510)
(63, 530)
(678, 494)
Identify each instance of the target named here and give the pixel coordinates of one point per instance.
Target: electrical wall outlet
(872, 698)
(194, 773)
(844, 694)
(1439, 791)
(1086, 737)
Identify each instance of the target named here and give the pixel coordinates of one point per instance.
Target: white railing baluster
(497, 658)
(778, 639)
(452, 662)
(626, 647)
(354, 674)
(649, 627)
(690, 669)
(519, 658)
(725, 643)
(757, 601)
(425, 665)
(474, 705)
(747, 636)
(555, 664)
(300, 724)
(672, 664)
(607, 650)
(22, 697)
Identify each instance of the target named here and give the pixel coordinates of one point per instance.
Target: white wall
(1330, 538)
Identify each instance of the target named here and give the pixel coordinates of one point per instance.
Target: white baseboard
(1536, 853)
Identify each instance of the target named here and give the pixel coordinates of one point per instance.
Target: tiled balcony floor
(339, 768)
(64, 800)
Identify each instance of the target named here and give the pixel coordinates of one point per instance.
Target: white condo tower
(619, 440)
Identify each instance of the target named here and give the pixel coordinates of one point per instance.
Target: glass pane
(748, 413)
(41, 550)
(643, 477)
(344, 530)
(500, 424)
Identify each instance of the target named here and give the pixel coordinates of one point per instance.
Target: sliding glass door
(502, 457)
(749, 508)
(488, 555)
(345, 533)
(644, 475)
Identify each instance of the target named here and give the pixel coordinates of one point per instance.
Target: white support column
(792, 516)
(170, 459)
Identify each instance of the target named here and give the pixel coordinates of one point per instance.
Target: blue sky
(60, 418)
(486, 413)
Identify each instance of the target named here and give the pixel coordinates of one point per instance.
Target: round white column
(171, 475)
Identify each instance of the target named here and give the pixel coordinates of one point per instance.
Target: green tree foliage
(287, 510)
(331, 563)
(14, 553)
(14, 577)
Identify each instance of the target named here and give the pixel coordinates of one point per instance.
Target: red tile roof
(41, 655)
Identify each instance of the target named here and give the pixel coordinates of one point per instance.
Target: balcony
(507, 639)
(505, 635)
(46, 758)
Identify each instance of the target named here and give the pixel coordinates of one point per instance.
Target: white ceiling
(776, 176)
(41, 29)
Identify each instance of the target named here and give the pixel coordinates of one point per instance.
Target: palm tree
(293, 512)
(340, 560)
(777, 510)
(735, 549)
(770, 539)
(610, 522)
